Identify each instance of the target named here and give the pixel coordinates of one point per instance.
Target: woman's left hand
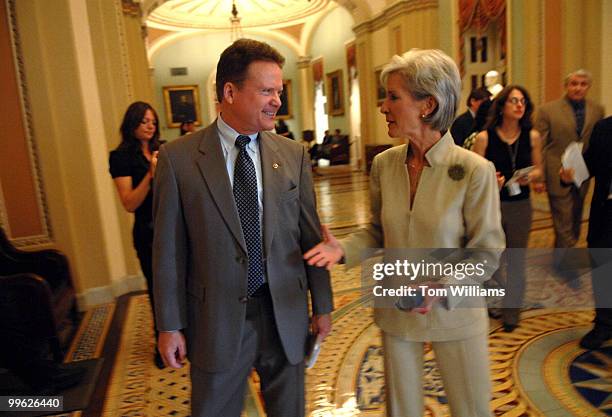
(153, 164)
(428, 301)
(524, 180)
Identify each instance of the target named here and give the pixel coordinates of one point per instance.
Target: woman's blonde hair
(429, 73)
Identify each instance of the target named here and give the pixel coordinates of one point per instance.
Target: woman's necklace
(415, 168)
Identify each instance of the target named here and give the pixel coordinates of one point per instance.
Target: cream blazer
(459, 212)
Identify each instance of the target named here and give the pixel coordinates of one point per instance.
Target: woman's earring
(423, 116)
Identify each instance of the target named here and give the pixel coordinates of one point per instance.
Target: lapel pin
(275, 165)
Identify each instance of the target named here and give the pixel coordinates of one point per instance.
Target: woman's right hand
(327, 253)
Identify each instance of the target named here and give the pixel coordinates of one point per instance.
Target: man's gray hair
(429, 73)
(579, 73)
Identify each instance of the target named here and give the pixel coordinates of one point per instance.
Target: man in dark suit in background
(463, 125)
(598, 158)
(234, 210)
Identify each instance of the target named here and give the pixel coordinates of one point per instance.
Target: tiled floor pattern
(348, 379)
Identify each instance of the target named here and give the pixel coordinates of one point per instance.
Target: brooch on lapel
(456, 172)
(275, 165)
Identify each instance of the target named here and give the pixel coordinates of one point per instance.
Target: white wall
(328, 41)
(200, 53)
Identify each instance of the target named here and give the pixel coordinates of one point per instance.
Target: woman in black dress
(511, 144)
(132, 166)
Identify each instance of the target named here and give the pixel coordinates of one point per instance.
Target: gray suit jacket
(556, 123)
(199, 251)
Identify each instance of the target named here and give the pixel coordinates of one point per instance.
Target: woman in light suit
(428, 193)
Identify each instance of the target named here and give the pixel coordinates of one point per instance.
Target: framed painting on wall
(335, 93)
(182, 103)
(285, 111)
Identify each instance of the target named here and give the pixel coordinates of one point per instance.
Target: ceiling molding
(174, 37)
(216, 14)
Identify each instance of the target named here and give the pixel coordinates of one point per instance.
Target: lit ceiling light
(235, 23)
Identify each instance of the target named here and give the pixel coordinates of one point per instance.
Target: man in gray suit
(234, 210)
(561, 122)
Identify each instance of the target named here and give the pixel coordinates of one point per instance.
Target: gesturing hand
(327, 253)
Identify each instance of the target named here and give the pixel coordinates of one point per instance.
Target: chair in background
(26, 314)
(339, 152)
(46, 268)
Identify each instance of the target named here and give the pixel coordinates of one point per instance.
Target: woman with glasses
(516, 151)
(132, 166)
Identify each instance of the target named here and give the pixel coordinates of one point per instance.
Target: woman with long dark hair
(132, 166)
(510, 142)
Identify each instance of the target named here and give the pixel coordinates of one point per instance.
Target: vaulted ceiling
(177, 15)
(216, 14)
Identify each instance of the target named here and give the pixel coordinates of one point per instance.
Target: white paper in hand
(520, 173)
(572, 158)
(314, 348)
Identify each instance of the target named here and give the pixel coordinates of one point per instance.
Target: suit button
(243, 299)
(240, 259)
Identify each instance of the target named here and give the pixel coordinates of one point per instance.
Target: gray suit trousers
(221, 394)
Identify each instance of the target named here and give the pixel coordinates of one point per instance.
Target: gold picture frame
(335, 93)
(286, 109)
(182, 102)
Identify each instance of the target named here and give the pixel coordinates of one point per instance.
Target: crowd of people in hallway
(501, 128)
(229, 239)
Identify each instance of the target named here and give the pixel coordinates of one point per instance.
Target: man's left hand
(321, 325)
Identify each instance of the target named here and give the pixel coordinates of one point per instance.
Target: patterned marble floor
(538, 370)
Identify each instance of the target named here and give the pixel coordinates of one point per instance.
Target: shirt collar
(576, 104)
(440, 151)
(228, 136)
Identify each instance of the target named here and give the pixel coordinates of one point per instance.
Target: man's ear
(229, 89)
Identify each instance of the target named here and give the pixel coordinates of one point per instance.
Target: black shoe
(495, 313)
(509, 328)
(595, 338)
(159, 362)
